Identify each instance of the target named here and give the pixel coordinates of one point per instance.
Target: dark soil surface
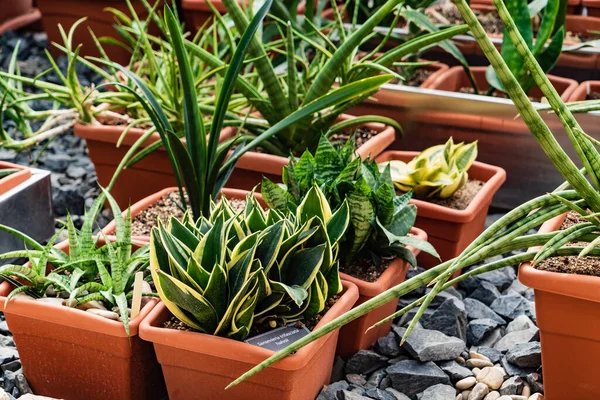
(588, 265)
(580, 37)
(365, 269)
(362, 135)
(415, 80)
(593, 96)
(165, 208)
(490, 20)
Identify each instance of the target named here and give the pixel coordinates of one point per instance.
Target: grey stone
(13, 366)
(493, 337)
(364, 362)
(535, 382)
(512, 386)
(57, 162)
(517, 286)
(329, 392)
(379, 394)
(356, 380)
(76, 172)
(337, 372)
(510, 306)
(521, 323)
(429, 345)
(375, 378)
(412, 377)
(408, 317)
(491, 353)
(525, 355)
(22, 384)
(7, 341)
(455, 371)
(443, 296)
(10, 381)
(477, 310)
(478, 329)
(411, 273)
(349, 395)
(485, 293)
(8, 354)
(437, 392)
(4, 328)
(513, 370)
(450, 318)
(388, 345)
(397, 394)
(513, 338)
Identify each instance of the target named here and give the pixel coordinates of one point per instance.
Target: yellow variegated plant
(219, 275)
(438, 172)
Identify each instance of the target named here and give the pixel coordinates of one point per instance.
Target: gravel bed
(475, 342)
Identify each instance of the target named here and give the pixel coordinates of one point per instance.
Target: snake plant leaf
(275, 195)
(549, 19)
(319, 292)
(338, 224)
(181, 231)
(403, 221)
(297, 293)
(563, 237)
(269, 245)
(217, 286)
(328, 160)
(314, 204)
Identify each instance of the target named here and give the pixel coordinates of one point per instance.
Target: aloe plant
(437, 172)
(509, 232)
(380, 220)
(88, 271)
(309, 76)
(222, 274)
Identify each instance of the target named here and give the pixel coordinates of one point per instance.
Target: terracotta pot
(200, 366)
(9, 182)
(573, 5)
(456, 78)
(67, 12)
(451, 231)
(147, 202)
(252, 166)
(148, 176)
(71, 354)
(353, 336)
(584, 88)
(15, 14)
(578, 60)
(568, 314)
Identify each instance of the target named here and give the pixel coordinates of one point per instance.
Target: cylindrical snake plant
(509, 232)
(220, 275)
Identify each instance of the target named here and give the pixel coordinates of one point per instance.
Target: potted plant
(452, 193)
(511, 232)
(72, 302)
(381, 242)
(16, 14)
(276, 270)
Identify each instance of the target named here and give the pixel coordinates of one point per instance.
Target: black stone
(365, 362)
(477, 310)
(388, 345)
(485, 293)
(411, 377)
(478, 329)
(455, 371)
(450, 318)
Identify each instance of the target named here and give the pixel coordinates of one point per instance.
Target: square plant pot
(68, 353)
(25, 205)
(16, 14)
(200, 366)
(584, 88)
(568, 315)
(354, 336)
(451, 231)
(151, 174)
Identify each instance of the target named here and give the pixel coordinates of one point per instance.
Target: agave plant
(380, 220)
(220, 275)
(509, 233)
(437, 172)
(88, 272)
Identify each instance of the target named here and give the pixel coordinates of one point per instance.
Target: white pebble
(491, 377)
(479, 392)
(466, 383)
(104, 313)
(536, 396)
(478, 363)
(492, 396)
(473, 354)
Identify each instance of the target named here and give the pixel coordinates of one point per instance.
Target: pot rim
(581, 91)
(389, 277)
(68, 316)
(13, 180)
(583, 287)
(481, 200)
(239, 351)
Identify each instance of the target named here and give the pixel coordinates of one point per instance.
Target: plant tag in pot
(280, 338)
